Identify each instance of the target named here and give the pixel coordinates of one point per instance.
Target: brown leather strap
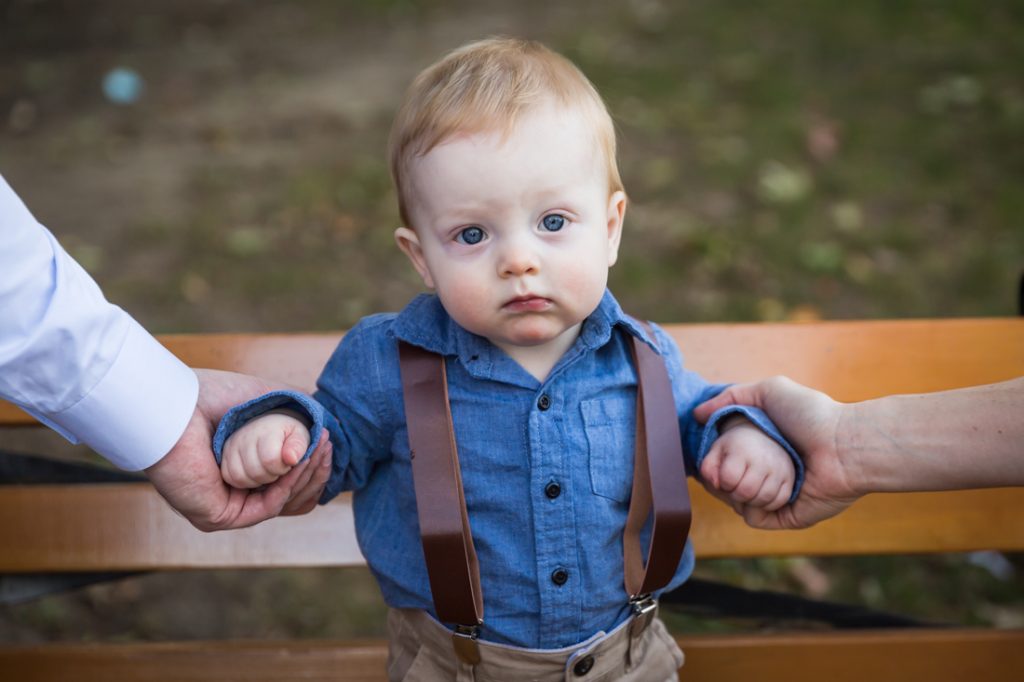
(659, 480)
(440, 502)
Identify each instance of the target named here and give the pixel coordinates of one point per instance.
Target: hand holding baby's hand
(263, 450)
(748, 469)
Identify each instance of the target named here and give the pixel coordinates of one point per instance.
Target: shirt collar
(425, 323)
(597, 328)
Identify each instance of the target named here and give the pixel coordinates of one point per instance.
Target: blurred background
(219, 165)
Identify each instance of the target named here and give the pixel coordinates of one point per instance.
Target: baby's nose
(517, 259)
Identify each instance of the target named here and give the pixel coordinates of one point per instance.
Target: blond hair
(485, 86)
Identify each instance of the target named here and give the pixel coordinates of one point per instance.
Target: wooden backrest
(127, 526)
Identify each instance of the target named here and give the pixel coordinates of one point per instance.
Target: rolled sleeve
(348, 404)
(241, 415)
(759, 419)
(690, 390)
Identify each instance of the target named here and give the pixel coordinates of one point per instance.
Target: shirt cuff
(239, 416)
(136, 413)
(760, 420)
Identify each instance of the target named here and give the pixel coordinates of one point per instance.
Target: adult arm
(964, 438)
(77, 363)
(88, 370)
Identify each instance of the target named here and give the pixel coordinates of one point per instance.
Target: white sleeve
(77, 363)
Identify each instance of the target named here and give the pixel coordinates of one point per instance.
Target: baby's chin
(536, 332)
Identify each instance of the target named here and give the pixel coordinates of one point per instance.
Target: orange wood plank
(226, 661)
(905, 523)
(891, 656)
(879, 656)
(294, 359)
(129, 527)
(852, 360)
(857, 360)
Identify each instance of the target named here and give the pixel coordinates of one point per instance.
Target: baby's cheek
(583, 283)
(465, 304)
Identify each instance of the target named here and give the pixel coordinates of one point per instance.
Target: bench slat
(879, 656)
(129, 527)
(891, 656)
(851, 360)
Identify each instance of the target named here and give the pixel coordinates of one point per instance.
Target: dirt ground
(783, 161)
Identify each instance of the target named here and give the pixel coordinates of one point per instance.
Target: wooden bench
(128, 527)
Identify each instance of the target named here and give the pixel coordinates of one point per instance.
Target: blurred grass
(783, 160)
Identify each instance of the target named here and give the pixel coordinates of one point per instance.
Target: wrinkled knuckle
(746, 491)
(730, 478)
(206, 524)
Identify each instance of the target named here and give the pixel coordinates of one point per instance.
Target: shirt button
(544, 402)
(559, 576)
(583, 666)
(552, 490)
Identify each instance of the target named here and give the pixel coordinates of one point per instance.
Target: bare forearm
(965, 438)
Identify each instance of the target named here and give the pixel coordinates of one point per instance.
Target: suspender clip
(464, 642)
(643, 606)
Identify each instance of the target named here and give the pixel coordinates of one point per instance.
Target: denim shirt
(512, 447)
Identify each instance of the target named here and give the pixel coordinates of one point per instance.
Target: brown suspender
(659, 482)
(440, 502)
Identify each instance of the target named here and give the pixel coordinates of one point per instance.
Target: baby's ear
(409, 243)
(616, 215)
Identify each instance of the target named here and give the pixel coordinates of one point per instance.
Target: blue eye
(471, 235)
(553, 222)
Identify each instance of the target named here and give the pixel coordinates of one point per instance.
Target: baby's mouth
(528, 304)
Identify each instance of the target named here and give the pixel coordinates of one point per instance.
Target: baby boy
(503, 157)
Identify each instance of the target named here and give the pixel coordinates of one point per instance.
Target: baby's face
(516, 234)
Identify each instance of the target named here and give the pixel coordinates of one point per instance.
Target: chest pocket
(610, 426)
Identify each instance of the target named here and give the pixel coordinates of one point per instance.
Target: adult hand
(810, 421)
(190, 480)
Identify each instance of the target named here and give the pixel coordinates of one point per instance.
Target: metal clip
(643, 606)
(464, 642)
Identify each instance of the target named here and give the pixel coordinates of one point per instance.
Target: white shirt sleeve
(74, 361)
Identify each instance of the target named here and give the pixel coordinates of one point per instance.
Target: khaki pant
(420, 650)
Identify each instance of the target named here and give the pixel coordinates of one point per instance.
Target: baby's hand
(263, 450)
(747, 468)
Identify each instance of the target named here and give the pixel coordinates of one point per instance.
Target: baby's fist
(264, 450)
(748, 468)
